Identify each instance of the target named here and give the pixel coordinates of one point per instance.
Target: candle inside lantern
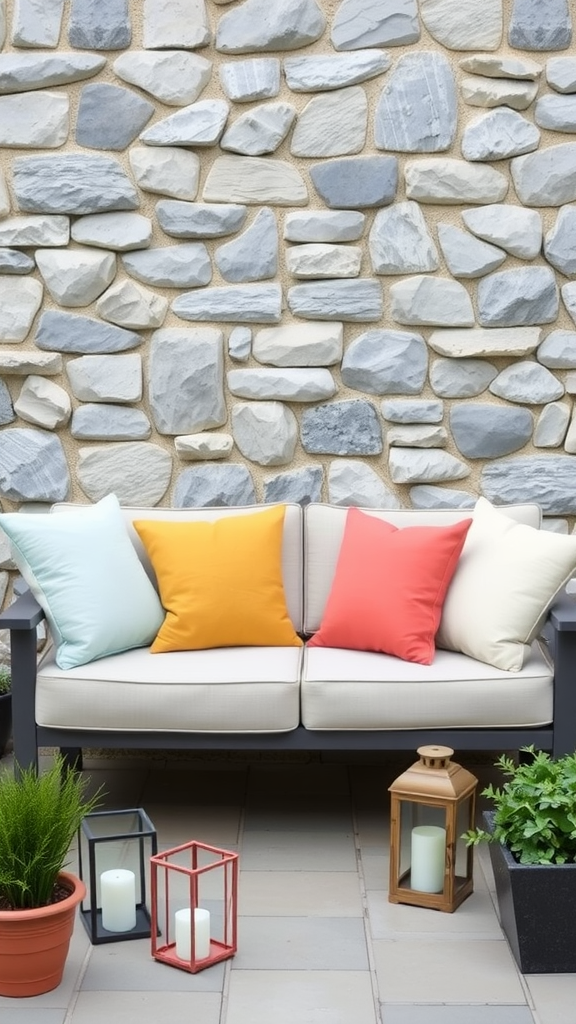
(182, 920)
(118, 895)
(428, 856)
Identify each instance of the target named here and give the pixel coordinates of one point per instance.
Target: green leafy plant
(39, 817)
(5, 680)
(535, 810)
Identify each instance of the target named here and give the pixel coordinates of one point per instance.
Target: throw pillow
(220, 582)
(83, 570)
(389, 586)
(507, 578)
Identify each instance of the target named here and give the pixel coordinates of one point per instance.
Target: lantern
(194, 906)
(114, 851)
(432, 805)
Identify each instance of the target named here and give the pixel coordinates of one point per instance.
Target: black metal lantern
(114, 851)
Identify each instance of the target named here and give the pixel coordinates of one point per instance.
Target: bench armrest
(25, 613)
(562, 614)
(22, 618)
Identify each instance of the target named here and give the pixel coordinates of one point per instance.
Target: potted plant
(5, 707)
(532, 837)
(39, 817)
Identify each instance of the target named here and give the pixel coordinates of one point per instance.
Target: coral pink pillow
(389, 587)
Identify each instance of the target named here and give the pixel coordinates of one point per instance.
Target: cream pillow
(507, 577)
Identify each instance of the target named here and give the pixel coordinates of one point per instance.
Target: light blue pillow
(85, 574)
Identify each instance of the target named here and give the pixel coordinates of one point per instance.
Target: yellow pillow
(220, 582)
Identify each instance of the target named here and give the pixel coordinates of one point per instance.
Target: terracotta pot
(34, 943)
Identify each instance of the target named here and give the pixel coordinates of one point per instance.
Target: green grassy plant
(5, 680)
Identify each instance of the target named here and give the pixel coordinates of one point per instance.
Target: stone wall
(288, 250)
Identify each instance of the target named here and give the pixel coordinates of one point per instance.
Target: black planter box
(537, 910)
(5, 720)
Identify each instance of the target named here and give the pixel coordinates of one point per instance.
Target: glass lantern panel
(462, 854)
(117, 843)
(422, 852)
(213, 888)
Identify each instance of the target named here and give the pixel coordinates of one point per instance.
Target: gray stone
(43, 403)
(109, 116)
(412, 410)
(37, 24)
(4, 197)
(357, 300)
(315, 344)
(568, 292)
(356, 181)
(560, 242)
(171, 266)
(570, 442)
(556, 112)
(255, 180)
(20, 300)
(199, 220)
(324, 226)
(332, 124)
(203, 447)
(498, 66)
(465, 255)
(498, 135)
(462, 378)
(400, 242)
(6, 408)
(253, 255)
(106, 378)
(22, 71)
(174, 77)
(34, 120)
(137, 472)
(475, 25)
(546, 178)
(348, 427)
(512, 298)
(198, 124)
(415, 465)
(504, 341)
(558, 350)
(260, 130)
(351, 482)
(265, 432)
(422, 300)
(213, 486)
(286, 385)
(75, 277)
(417, 108)
(12, 261)
(119, 231)
(549, 480)
(385, 362)
(129, 305)
(19, 364)
(317, 261)
(244, 303)
(72, 183)
(560, 74)
(570, 383)
(555, 526)
(167, 170)
(257, 25)
(427, 496)
(93, 422)
(246, 80)
(528, 383)
(69, 332)
(2, 22)
(446, 180)
(334, 71)
(300, 486)
(529, 30)
(514, 229)
(240, 344)
(359, 23)
(33, 466)
(417, 435)
(496, 92)
(483, 431)
(177, 24)
(33, 231)
(551, 425)
(186, 380)
(101, 26)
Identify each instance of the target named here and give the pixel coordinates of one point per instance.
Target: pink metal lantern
(194, 890)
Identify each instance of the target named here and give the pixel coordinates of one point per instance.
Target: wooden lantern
(432, 804)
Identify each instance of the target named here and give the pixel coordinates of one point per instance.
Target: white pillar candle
(118, 892)
(182, 920)
(428, 857)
